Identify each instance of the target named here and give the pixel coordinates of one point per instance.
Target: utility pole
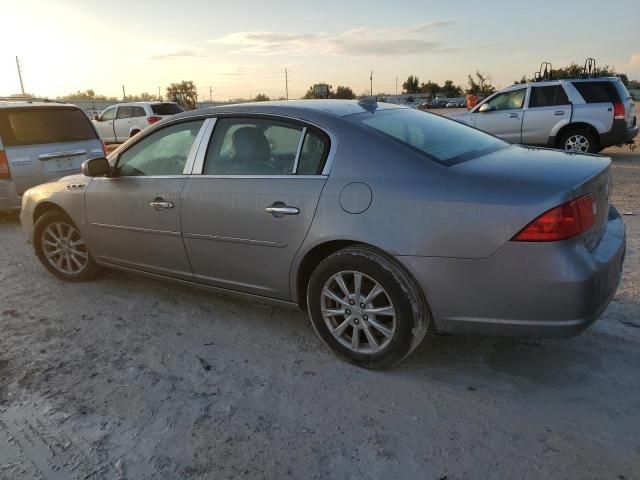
(124, 96)
(396, 85)
(159, 96)
(371, 80)
(20, 75)
(210, 94)
(286, 82)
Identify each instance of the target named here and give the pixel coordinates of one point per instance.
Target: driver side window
(162, 153)
(508, 100)
(108, 114)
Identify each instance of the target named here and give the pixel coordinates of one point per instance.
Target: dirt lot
(131, 378)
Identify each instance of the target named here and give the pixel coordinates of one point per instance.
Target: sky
(242, 48)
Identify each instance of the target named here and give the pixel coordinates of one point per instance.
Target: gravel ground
(130, 378)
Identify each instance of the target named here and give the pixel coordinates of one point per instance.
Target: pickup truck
(120, 122)
(583, 115)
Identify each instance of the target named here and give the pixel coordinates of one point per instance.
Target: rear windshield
(166, 109)
(445, 141)
(36, 126)
(597, 92)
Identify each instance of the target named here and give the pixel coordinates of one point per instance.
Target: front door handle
(513, 115)
(559, 112)
(279, 210)
(161, 204)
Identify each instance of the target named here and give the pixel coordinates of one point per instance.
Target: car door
(122, 123)
(548, 109)
(138, 119)
(133, 216)
(104, 124)
(503, 115)
(250, 203)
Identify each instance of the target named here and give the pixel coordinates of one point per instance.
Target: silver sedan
(384, 222)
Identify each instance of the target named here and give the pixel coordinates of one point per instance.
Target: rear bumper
(619, 134)
(9, 199)
(555, 289)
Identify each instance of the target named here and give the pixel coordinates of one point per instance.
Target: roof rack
(544, 73)
(30, 99)
(589, 70)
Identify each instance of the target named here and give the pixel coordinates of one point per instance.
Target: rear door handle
(161, 204)
(282, 210)
(559, 112)
(513, 115)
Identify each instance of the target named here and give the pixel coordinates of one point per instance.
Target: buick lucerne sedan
(384, 222)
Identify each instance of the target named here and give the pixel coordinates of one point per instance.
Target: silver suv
(584, 115)
(39, 142)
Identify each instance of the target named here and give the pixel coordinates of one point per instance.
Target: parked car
(437, 104)
(382, 221)
(455, 104)
(41, 141)
(124, 120)
(583, 115)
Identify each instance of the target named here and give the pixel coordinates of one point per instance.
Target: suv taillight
(618, 111)
(153, 119)
(560, 223)
(4, 165)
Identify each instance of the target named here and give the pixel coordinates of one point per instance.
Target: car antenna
(369, 103)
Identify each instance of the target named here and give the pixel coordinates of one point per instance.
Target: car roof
(152, 102)
(333, 108)
(34, 104)
(543, 83)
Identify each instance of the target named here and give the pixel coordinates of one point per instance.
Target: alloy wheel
(358, 311)
(64, 248)
(577, 143)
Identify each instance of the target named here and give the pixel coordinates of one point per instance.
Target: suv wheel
(366, 308)
(580, 141)
(61, 248)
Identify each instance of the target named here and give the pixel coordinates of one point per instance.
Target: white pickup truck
(122, 121)
(584, 115)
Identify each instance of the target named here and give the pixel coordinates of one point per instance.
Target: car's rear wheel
(366, 308)
(61, 248)
(580, 141)
(134, 133)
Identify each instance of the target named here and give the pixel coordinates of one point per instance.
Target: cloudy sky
(241, 48)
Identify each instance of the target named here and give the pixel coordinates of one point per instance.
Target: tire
(134, 133)
(396, 331)
(579, 140)
(55, 232)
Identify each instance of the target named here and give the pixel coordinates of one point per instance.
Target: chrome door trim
(254, 177)
(265, 243)
(188, 166)
(136, 229)
(299, 151)
(203, 146)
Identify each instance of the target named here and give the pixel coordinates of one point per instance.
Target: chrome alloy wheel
(64, 248)
(577, 143)
(358, 311)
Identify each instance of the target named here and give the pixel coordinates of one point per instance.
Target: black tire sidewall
(391, 279)
(90, 270)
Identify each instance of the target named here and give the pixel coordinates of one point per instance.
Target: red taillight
(153, 119)
(566, 221)
(4, 165)
(618, 111)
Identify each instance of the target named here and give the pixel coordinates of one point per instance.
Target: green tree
(344, 92)
(311, 94)
(431, 88)
(261, 97)
(183, 93)
(411, 85)
(481, 85)
(449, 90)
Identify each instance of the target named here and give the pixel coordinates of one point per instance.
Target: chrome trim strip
(253, 177)
(265, 243)
(136, 229)
(298, 151)
(69, 153)
(198, 163)
(188, 165)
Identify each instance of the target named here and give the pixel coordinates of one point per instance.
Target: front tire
(366, 308)
(61, 248)
(579, 140)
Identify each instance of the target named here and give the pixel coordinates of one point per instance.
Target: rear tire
(366, 308)
(134, 133)
(61, 248)
(579, 140)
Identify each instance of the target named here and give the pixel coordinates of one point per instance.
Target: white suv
(122, 121)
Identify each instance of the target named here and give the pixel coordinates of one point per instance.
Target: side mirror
(485, 107)
(96, 167)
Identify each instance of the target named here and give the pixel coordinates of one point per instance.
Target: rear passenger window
(552, 95)
(313, 154)
(597, 92)
(138, 112)
(123, 112)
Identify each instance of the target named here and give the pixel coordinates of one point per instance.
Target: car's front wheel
(61, 248)
(366, 308)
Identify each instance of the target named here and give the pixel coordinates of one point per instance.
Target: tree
(87, 95)
(411, 85)
(311, 93)
(449, 90)
(482, 86)
(431, 88)
(183, 93)
(344, 93)
(633, 85)
(261, 97)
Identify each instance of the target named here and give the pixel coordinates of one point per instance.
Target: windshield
(166, 109)
(445, 141)
(36, 126)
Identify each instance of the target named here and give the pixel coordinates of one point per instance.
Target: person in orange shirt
(472, 99)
